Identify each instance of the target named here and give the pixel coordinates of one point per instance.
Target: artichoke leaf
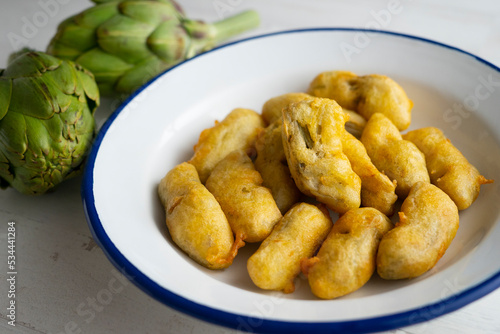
(91, 91)
(13, 140)
(123, 26)
(140, 74)
(84, 127)
(31, 177)
(103, 65)
(96, 15)
(71, 118)
(32, 64)
(73, 32)
(150, 12)
(170, 42)
(64, 79)
(44, 136)
(31, 97)
(60, 92)
(64, 51)
(78, 153)
(73, 114)
(5, 95)
(124, 37)
(130, 49)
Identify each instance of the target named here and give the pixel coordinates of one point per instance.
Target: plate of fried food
(297, 182)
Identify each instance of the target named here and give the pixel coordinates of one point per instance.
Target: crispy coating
(399, 159)
(249, 207)
(448, 168)
(272, 166)
(271, 111)
(428, 222)
(194, 219)
(366, 95)
(312, 132)
(237, 131)
(298, 235)
(377, 190)
(355, 124)
(346, 260)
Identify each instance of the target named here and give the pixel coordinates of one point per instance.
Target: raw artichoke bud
(126, 43)
(46, 121)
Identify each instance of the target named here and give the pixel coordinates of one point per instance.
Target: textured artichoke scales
(46, 124)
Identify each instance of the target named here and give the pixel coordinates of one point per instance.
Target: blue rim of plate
(240, 322)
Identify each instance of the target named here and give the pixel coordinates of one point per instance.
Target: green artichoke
(46, 121)
(126, 43)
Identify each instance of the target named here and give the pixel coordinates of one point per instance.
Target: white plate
(157, 128)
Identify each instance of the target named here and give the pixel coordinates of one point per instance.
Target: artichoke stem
(235, 25)
(206, 35)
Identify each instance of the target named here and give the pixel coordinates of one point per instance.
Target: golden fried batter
(271, 164)
(271, 111)
(428, 222)
(399, 159)
(194, 218)
(377, 191)
(366, 95)
(448, 168)
(346, 260)
(312, 132)
(355, 124)
(249, 207)
(237, 131)
(298, 235)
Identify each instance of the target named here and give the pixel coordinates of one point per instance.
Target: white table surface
(62, 273)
